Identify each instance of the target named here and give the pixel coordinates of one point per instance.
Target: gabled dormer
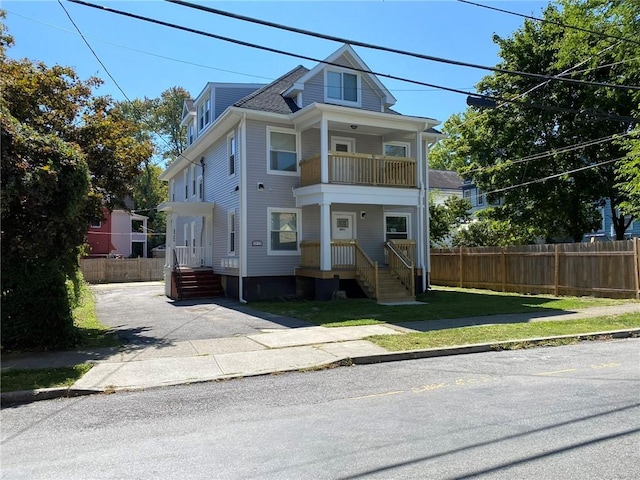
(344, 79)
(188, 120)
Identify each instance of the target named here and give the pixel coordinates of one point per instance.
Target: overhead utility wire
(552, 152)
(114, 80)
(540, 180)
(394, 50)
(560, 24)
(604, 116)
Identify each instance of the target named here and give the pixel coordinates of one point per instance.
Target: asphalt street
(569, 412)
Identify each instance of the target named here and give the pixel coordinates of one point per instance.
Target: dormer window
(342, 87)
(191, 134)
(204, 114)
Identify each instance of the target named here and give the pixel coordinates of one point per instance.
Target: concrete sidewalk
(145, 366)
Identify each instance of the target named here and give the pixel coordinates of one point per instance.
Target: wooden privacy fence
(114, 270)
(601, 269)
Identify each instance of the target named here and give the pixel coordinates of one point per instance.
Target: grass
(440, 303)
(504, 332)
(19, 379)
(92, 333)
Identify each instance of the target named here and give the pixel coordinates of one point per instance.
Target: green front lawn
(439, 303)
(32, 379)
(511, 331)
(92, 333)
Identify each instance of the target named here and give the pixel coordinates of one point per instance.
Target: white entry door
(343, 227)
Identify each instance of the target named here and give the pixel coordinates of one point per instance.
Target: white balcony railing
(189, 256)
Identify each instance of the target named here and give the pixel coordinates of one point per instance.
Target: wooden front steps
(390, 289)
(189, 283)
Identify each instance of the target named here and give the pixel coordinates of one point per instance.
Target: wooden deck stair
(196, 283)
(391, 289)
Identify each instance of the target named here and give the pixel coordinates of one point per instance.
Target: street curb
(29, 396)
(486, 347)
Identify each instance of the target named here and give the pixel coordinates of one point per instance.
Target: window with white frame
(282, 151)
(204, 114)
(342, 87)
(191, 134)
(200, 188)
(284, 231)
(193, 180)
(466, 194)
(185, 178)
(396, 226)
(231, 150)
(96, 224)
(172, 190)
(479, 196)
(396, 149)
(231, 241)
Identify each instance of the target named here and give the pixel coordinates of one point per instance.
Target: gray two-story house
(303, 187)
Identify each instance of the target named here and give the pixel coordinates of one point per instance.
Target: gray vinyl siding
(220, 188)
(277, 193)
(224, 97)
(364, 143)
(314, 90)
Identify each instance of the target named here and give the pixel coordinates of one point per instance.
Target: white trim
(185, 178)
(397, 214)
(407, 145)
(341, 101)
(231, 228)
(192, 180)
(346, 140)
(366, 195)
(200, 187)
(298, 213)
(287, 131)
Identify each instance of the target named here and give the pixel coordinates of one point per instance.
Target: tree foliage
(65, 153)
(498, 144)
(445, 218)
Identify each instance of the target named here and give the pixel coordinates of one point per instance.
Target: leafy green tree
(485, 232)
(629, 174)
(446, 217)
(65, 154)
(499, 144)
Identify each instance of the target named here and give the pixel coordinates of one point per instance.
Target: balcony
(361, 169)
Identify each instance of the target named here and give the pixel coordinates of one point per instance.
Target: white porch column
(324, 151)
(423, 235)
(325, 236)
(170, 244)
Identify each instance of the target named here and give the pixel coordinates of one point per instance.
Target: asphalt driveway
(141, 314)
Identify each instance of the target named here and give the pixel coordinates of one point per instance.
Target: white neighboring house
(302, 187)
(444, 184)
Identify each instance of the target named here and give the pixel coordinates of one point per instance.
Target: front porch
(393, 281)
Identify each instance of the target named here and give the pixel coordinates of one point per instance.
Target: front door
(343, 229)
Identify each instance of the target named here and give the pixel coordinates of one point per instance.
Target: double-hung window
(283, 151)
(185, 178)
(396, 226)
(191, 133)
(204, 114)
(284, 231)
(342, 87)
(396, 149)
(193, 180)
(231, 149)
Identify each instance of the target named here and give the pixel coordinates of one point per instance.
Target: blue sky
(146, 59)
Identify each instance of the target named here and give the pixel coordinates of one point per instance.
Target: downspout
(242, 224)
(424, 235)
(427, 278)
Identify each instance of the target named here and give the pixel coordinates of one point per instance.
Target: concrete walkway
(278, 350)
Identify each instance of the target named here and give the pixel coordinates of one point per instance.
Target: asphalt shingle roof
(445, 179)
(269, 98)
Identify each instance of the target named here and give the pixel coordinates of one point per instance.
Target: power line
(540, 180)
(560, 24)
(552, 152)
(394, 50)
(603, 116)
(114, 80)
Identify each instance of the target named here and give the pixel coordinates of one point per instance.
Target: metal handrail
(406, 275)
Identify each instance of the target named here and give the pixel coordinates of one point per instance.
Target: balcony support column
(324, 150)
(325, 236)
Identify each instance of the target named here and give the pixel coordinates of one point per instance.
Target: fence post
(460, 266)
(556, 270)
(504, 269)
(636, 265)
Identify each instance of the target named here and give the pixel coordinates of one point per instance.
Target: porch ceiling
(187, 209)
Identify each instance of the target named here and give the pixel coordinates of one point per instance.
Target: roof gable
(270, 97)
(345, 57)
